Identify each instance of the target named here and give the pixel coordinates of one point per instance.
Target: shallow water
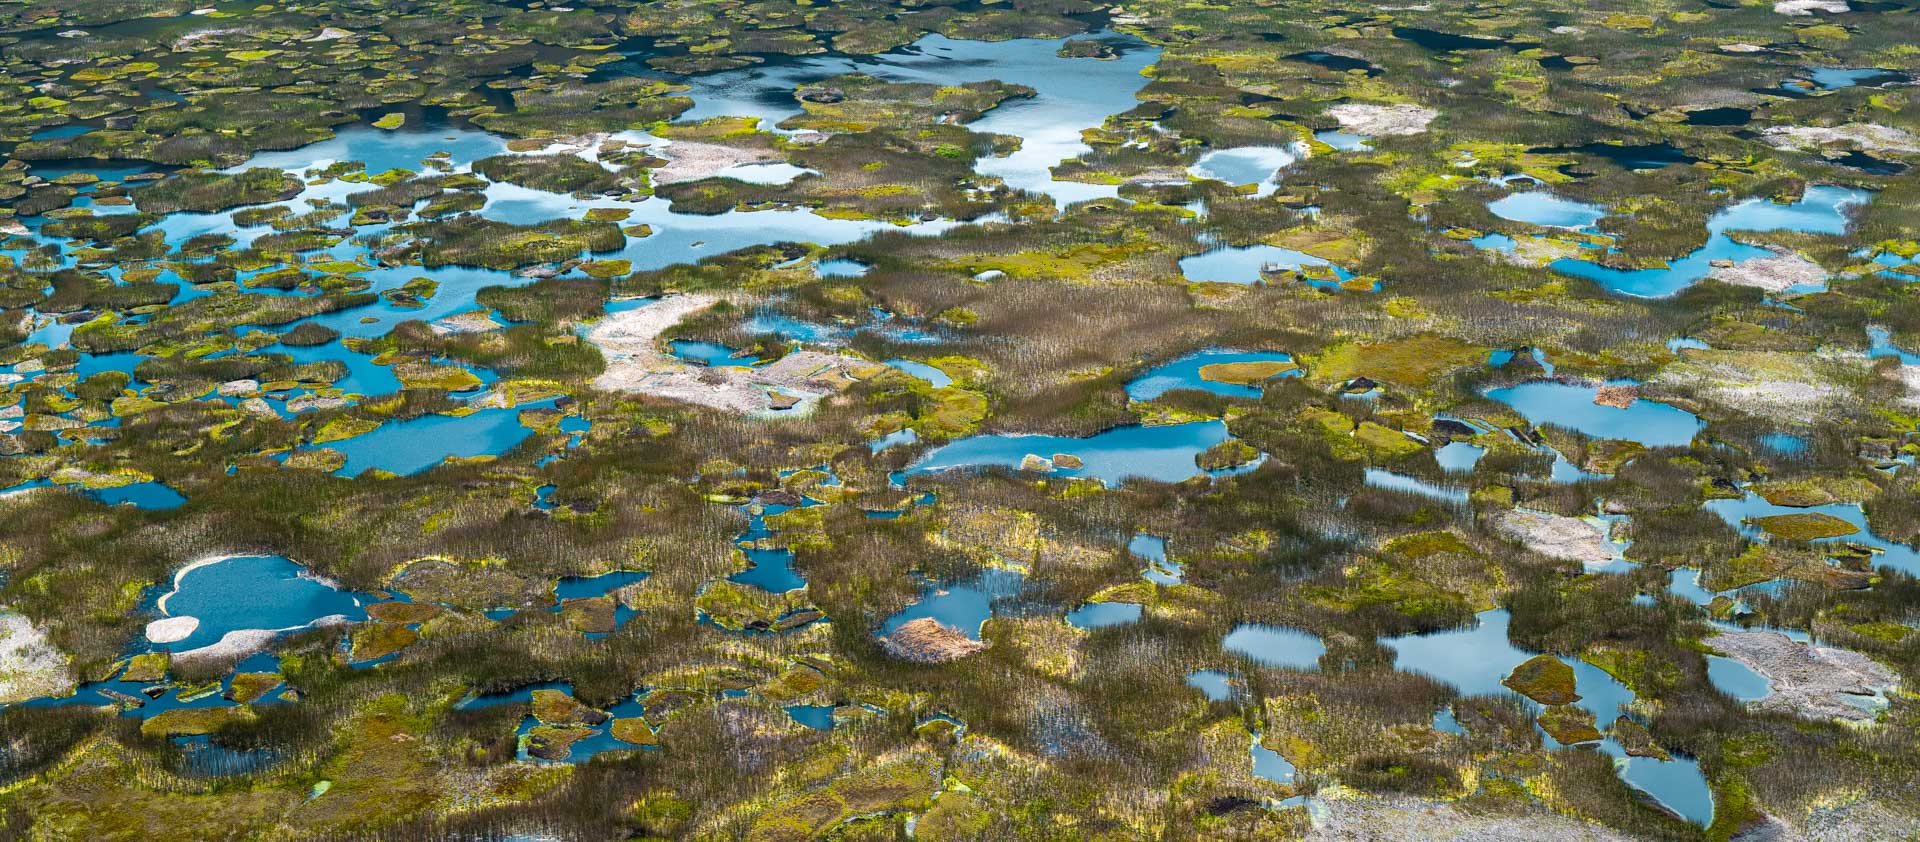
(1256, 165)
(1275, 646)
(1822, 210)
(1737, 679)
(1215, 685)
(965, 606)
(1184, 373)
(1475, 659)
(409, 447)
(1100, 615)
(1735, 513)
(935, 377)
(1411, 485)
(1542, 208)
(244, 593)
(1243, 264)
(1162, 453)
(1459, 457)
(1650, 423)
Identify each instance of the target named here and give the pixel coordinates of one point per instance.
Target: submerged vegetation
(861, 420)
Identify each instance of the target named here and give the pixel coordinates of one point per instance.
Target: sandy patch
(929, 641)
(691, 161)
(172, 629)
(1382, 120)
(636, 363)
(1773, 274)
(1557, 536)
(1805, 8)
(1816, 682)
(30, 665)
(1871, 137)
(1340, 813)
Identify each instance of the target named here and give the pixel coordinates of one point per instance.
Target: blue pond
(1100, 615)
(934, 376)
(1412, 485)
(1256, 165)
(1275, 646)
(1475, 659)
(817, 717)
(1215, 685)
(1184, 373)
(1245, 265)
(1458, 457)
(1571, 405)
(1541, 208)
(1269, 765)
(1736, 513)
(840, 268)
(1163, 453)
(1821, 211)
(1737, 679)
(145, 495)
(249, 593)
(409, 447)
(964, 606)
(1160, 570)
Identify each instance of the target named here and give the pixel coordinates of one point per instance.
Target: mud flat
(1817, 682)
(636, 364)
(30, 665)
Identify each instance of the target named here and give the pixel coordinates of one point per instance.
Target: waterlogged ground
(864, 420)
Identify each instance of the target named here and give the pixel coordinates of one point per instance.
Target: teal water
(1475, 659)
(1163, 454)
(1184, 373)
(1571, 405)
(246, 593)
(1546, 209)
(1275, 646)
(965, 605)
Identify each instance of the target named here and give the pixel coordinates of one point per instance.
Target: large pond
(1163, 453)
(1571, 405)
(238, 595)
(1475, 660)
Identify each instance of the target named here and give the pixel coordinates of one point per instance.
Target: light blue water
(1835, 78)
(1184, 373)
(1650, 423)
(409, 447)
(252, 592)
(1160, 570)
(1880, 344)
(965, 606)
(898, 438)
(1412, 485)
(711, 354)
(1256, 165)
(1070, 95)
(1737, 679)
(935, 377)
(1275, 646)
(1164, 453)
(1100, 615)
(1736, 513)
(1269, 765)
(1542, 208)
(1243, 264)
(1215, 685)
(840, 268)
(1343, 141)
(772, 569)
(1785, 444)
(1458, 457)
(817, 717)
(1822, 210)
(145, 495)
(1475, 659)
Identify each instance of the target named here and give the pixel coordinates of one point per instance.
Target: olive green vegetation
(1041, 315)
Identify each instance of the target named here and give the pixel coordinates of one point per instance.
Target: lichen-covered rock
(30, 665)
(929, 641)
(1817, 682)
